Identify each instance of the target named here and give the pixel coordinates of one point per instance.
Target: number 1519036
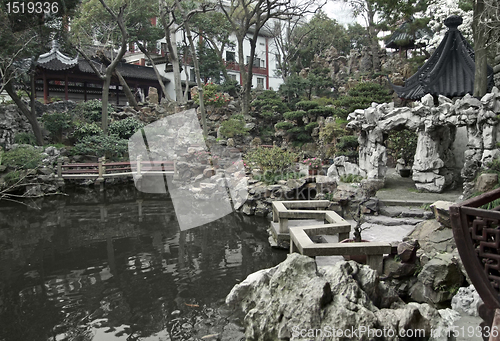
(32, 7)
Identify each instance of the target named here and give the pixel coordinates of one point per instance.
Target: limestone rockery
(435, 165)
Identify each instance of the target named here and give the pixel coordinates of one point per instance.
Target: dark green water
(116, 267)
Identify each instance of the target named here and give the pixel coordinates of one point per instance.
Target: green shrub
(25, 138)
(22, 158)
(125, 128)
(12, 178)
(322, 111)
(294, 115)
(295, 130)
(311, 126)
(348, 178)
(306, 105)
(56, 123)
(212, 96)
(86, 129)
(233, 127)
(347, 146)
(270, 105)
(403, 145)
(360, 97)
(274, 160)
(270, 178)
(230, 86)
(101, 145)
(285, 125)
(91, 111)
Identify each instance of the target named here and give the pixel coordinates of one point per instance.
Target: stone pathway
(398, 188)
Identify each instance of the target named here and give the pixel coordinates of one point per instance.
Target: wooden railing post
(59, 168)
(176, 175)
(102, 168)
(139, 165)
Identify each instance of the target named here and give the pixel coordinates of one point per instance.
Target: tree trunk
(158, 76)
(244, 75)
(196, 71)
(372, 32)
(105, 99)
(126, 89)
(173, 55)
(31, 116)
(480, 52)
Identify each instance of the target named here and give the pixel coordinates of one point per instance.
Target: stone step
(405, 212)
(390, 221)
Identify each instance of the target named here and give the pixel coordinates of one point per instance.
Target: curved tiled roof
(404, 38)
(56, 60)
(448, 72)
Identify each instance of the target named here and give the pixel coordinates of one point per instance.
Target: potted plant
(314, 164)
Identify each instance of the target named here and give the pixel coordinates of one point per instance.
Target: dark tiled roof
(403, 37)
(56, 60)
(448, 72)
(126, 70)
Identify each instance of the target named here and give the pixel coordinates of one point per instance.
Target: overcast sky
(341, 12)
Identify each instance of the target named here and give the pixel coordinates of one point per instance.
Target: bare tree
(110, 69)
(167, 19)
(247, 18)
(187, 27)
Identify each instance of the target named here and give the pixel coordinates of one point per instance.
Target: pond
(115, 266)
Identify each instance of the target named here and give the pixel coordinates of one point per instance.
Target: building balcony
(233, 66)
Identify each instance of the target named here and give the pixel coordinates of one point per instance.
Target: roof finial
(55, 45)
(452, 22)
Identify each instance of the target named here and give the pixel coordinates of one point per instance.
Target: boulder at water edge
(297, 301)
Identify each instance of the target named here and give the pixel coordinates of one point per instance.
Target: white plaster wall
(459, 146)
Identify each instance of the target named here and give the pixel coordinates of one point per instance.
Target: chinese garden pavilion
(448, 72)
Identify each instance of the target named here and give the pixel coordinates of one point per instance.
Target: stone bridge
(434, 166)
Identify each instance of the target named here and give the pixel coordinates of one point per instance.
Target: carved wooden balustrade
(477, 235)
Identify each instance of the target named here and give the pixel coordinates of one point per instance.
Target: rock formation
(433, 167)
(297, 300)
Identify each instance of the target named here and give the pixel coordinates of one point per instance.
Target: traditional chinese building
(58, 75)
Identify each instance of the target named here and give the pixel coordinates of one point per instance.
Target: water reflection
(116, 267)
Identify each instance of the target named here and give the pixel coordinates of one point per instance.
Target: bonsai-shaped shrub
(235, 126)
(360, 97)
(269, 105)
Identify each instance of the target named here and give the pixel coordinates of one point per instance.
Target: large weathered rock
(466, 301)
(438, 276)
(433, 238)
(295, 300)
(486, 182)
